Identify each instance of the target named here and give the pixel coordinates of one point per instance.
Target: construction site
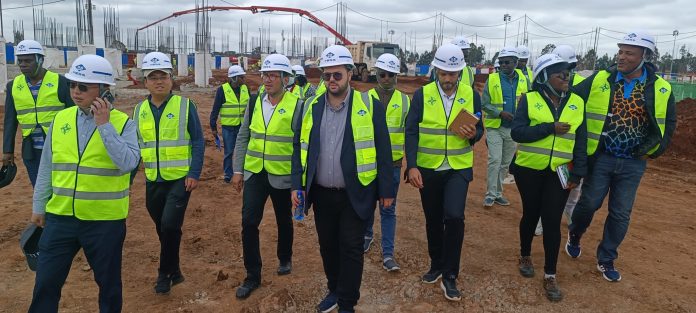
(657, 256)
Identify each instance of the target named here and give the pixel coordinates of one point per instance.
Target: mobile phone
(108, 96)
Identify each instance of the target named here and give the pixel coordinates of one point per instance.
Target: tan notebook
(463, 118)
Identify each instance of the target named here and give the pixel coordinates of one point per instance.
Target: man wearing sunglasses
(395, 103)
(33, 100)
(262, 166)
(82, 189)
(342, 161)
(172, 146)
(499, 101)
(440, 162)
(467, 77)
(231, 101)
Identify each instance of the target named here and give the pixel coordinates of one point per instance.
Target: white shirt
(268, 109)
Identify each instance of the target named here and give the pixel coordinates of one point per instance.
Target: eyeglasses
(384, 74)
(81, 87)
(336, 75)
(270, 76)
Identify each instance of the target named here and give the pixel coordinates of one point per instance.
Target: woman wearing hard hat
(82, 188)
(549, 126)
(172, 147)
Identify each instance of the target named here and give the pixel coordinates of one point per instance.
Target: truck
(365, 54)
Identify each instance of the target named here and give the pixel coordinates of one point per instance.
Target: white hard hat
(276, 62)
(496, 63)
(299, 70)
(462, 42)
(29, 47)
(640, 39)
(91, 69)
(449, 58)
(336, 55)
(389, 63)
(508, 52)
(156, 61)
(566, 52)
(545, 61)
(523, 52)
(235, 70)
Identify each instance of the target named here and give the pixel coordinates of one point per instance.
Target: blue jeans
(62, 238)
(32, 165)
(388, 219)
(229, 138)
(620, 179)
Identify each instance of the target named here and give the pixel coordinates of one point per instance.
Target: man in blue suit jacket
(342, 159)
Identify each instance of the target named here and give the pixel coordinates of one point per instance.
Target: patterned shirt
(628, 120)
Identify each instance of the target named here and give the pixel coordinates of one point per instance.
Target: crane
(254, 9)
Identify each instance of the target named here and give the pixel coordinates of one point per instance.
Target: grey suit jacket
(240, 147)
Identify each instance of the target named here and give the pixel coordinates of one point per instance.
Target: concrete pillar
(86, 49)
(225, 63)
(202, 69)
(3, 65)
(182, 64)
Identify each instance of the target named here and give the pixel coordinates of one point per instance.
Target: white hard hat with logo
(389, 63)
(29, 47)
(336, 55)
(449, 58)
(156, 61)
(235, 70)
(508, 52)
(640, 39)
(462, 42)
(566, 52)
(545, 61)
(276, 62)
(91, 69)
(299, 70)
(523, 52)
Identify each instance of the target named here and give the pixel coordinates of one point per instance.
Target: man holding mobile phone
(81, 196)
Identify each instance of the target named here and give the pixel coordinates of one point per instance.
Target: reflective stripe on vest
(552, 150)
(43, 110)
(467, 77)
(435, 141)
(232, 111)
(88, 186)
(495, 90)
(598, 108)
(397, 108)
(167, 149)
(363, 136)
(270, 147)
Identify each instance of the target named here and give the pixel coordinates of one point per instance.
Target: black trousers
(62, 238)
(166, 202)
(443, 197)
(340, 231)
(257, 189)
(542, 196)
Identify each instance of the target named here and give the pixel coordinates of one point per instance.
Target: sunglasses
(506, 62)
(337, 76)
(270, 76)
(81, 87)
(385, 74)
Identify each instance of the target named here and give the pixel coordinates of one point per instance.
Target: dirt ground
(657, 258)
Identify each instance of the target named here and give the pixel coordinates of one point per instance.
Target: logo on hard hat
(392, 63)
(330, 55)
(21, 47)
(154, 60)
(453, 59)
(632, 35)
(80, 67)
(267, 62)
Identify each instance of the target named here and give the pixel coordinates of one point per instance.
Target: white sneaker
(539, 230)
(509, 180)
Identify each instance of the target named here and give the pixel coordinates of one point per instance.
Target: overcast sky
(409, 19)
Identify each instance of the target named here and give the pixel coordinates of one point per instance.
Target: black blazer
(362, 198)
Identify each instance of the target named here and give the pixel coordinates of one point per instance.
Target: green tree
(548, 49)
(476, 54)
(426, 57)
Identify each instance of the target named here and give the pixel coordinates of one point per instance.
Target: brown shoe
(553, 291)
(526, 267)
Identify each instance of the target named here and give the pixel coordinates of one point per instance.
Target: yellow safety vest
(467, 76)
(363, 136)
(496, 92)
(397, 108)
(166, 150)
(41, 112)
(232, 111)
(301, 92)
(553, 150)
(576, 79)
(88, 186)
(270, 147)
(435, 141)
(321, 88)
(598, 108)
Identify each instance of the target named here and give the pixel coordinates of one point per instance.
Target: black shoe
(526, 267)
(285, 268)
(163, 284)
(177, 278)
(432, 276)
(244, 291)
(449, 286)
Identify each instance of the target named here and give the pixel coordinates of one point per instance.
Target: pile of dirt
(684, 140)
